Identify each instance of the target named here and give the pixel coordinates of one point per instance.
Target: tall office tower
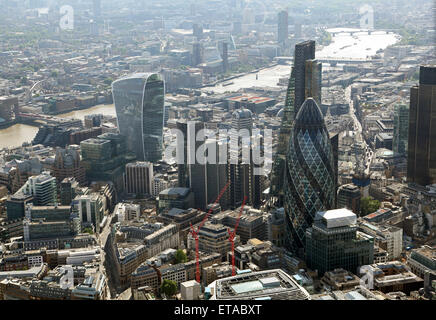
(421, 161)
(313, 80)
(278, 170)
(241, 170)
(139, 178)
(349, 197)
(96, 8)
(237, 28)
(197, 31)
(333, 242)
(298, 30)
(309, 177)
(68, 188)
(42, 188)
(225, 57)
(196, 54)
(216, 174)
(105, 158)
(67, 164)
(191, 173)
(303, 51)
(139, 103)
(401, 129)
(282, 27)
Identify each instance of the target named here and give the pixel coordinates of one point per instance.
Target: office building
(401, 129)
(139, 178)
(303, 51)
(16, 204)
(387, 237)
(262, 285)
(393, 276)
(105, 158)
(421, 159)
(333, 242)
(42, 188)
(349, 197)
(90, 209)
(67, 164)
(313, 80)
(309, 178)
(422, 262)
(139, 103)
(213, 238)
(282, 27)
(278, 169)
(68, 189)
(182, 198)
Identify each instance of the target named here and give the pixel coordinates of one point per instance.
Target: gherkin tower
(309, 184)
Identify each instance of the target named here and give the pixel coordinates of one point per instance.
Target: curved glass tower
(310, 175)
(139, 103)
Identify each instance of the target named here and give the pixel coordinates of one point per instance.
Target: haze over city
(213, 150)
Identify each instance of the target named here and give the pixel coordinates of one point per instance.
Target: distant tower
(401, 129)
(225, 57)
(303, 51)
(196, 54)
(96, 8)
(309, 178)
(421, 161)
(282, 27)
(313, 80)
(278, 169)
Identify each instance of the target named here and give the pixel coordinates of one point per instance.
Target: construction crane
(232, 235)
(194, 233)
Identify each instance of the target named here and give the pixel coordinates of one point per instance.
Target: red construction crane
(194, 233)
(232, 235)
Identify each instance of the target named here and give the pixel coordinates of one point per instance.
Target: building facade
(310, 178)
(139, 103)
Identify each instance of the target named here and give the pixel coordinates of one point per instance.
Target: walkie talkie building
(310, 176)
(139, 103)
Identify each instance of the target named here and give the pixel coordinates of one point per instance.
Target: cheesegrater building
(139, 103)
(309, 173)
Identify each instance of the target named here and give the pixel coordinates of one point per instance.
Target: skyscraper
(303, 51)
(313, 80)
(349, 197)
(278, 170)
(309, 177)
(282, 27)
(43, 188)
(401, 129)
(334, 242)
(96, 8)
(139, 178)
(139, 103)
(421, 161)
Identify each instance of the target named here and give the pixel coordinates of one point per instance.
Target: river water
(358, 46)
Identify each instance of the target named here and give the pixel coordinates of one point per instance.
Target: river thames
(359, 46)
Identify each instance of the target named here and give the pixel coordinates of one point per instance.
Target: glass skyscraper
(139, 103)
(310, 176)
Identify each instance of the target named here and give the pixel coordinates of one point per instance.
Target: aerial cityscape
(217, 150)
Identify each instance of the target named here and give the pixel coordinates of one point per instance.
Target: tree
(168, 287)
(368, 205)
(180, 256)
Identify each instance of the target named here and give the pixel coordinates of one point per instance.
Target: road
(369, 153)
